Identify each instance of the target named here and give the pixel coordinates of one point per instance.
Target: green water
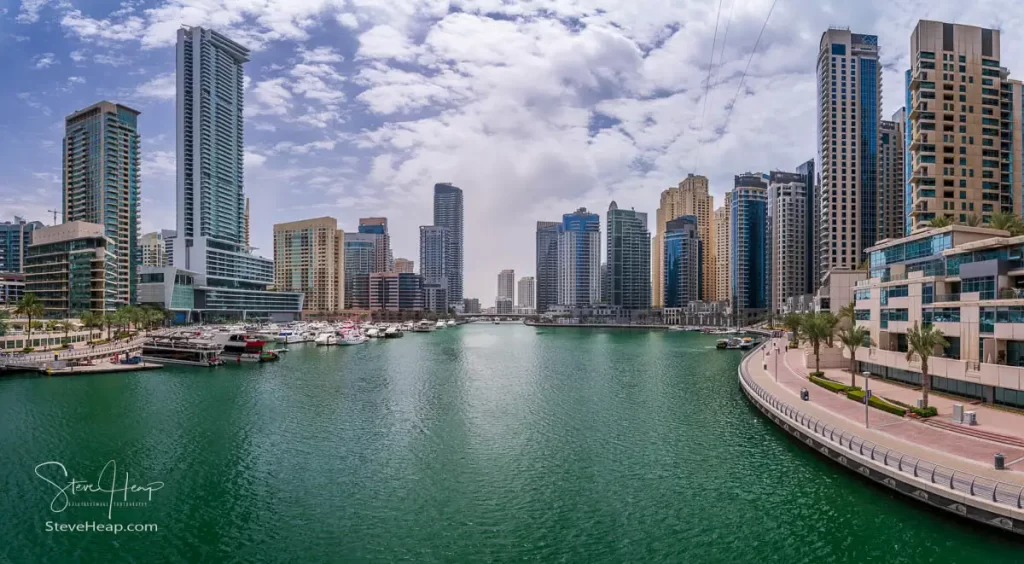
(481, 443)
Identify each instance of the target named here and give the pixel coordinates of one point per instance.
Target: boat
(407, 326)
(326, 339)
(372, 332)
(393, 332)
(440, 324)
(353, 338)
(722, 344)
(424, 326)
(450, 323)
(241, 347)
(676, 328)
(181, 350)
(289, 337)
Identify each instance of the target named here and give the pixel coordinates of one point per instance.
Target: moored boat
(424, 326)
(181, 350)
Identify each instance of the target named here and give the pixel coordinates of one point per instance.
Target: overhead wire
(707, 83)
(753, 51)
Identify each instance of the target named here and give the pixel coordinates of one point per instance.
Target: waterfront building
(963, 61)
(691, 197)
(448, 213)
(503, 305)
(101, 183)
(435, 295)
(721, 256)
(702, 314)
(547, 264)
(788, 248)
(15, 237)
(230, 281)
(393, 291)
(628, 246)
(812, 229)
(748, 217)
(154, 249)
(965, 281)
(527, 292)
(404, 265)
(849, 112)
(470, 305)
(507, 284)
(579, 259)
(309, 257)
(168, 236)
(169, 288)
(359, 260)
(606, 284)
(72, 268)
(683, 262)
(378, 226)
(12, 288)
(891, 210)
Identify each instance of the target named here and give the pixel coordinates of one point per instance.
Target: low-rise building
(394, 291)
(12, 288)
(503, 305)
(72, 268)
(170, 288)
(470, 305)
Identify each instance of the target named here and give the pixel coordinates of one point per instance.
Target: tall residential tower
(547, 264)
(691, 197)
(579, 259)
(448, 213)
(628, 251)
(309, 257)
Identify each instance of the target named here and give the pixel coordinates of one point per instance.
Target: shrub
(830, 385)
(876, 402)
(931, 411)
(818, 375)
(28, 349)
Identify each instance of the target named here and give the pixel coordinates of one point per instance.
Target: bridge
(490, 316)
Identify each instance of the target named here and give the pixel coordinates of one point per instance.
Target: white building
(787, 237)
(507, 284)
(154, 250)
(527, 291)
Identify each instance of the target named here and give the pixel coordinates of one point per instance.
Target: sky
(355, 108)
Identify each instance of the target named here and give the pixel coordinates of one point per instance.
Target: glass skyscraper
(101, 183)
(360, 254)
(15, 237)
(547, 264)
(749, 221)
(579, 259)
(683, 261)
(448, 213)
(211, 239)
(628, 250)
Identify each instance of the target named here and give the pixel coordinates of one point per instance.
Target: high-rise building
(503, 305)
(15, 237)
(102, 159)
(547, 264)
(722, 231)
(849, 112)
(154, 249)
(579, 259)
(168, 236)
(392, 291)
(309, 257)
(787, 244)
(628, 251)
(606, 284)
(527, 290)
(247, 239)
(72, 268)
(964, 121)
(891, 211)
(683, 262)
(434, 257)
(470, 305)
(448, 213)
(748, 217)
(691, 197)
(229, 280)
(360, 254)
(378, 226)
(404, 265)
(507, 284)
(812, 227)
(435, 296)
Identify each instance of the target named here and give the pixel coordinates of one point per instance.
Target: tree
(940, 221)
(923, 341)
(4, 316)
(847, 313)
(51, 326)
(973, 220)
(30, 306)
(792, 322)
(1006, 222)
(817, 328)
(853, 338)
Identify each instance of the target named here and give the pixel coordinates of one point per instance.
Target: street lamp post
(776, 362)
(867, 400)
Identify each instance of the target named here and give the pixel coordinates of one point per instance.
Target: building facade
(170, 288)
(309, 257)
(527, 292)
(891, 209)
(503, 306)
(470, 305)
(405, 265)
(691, 197)
(961, 131)
(507, 284)
(448, 213)
(12, 288)
(628, 246)
(153, 249)
(748, 217)
(579, 259)
(102, 158)
(723, 280)
(547, 264)
(72, 268)
(230, 282)
(435, 247)
(168, 236)
(812, 229)
(360, 253)
(391, 291)
(15, 237)
(683, 262)
(383, 260)
(788, 247)
(849, 111)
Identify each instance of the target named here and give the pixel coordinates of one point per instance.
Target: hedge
(876, 402)
(930, 411)
(830, 385)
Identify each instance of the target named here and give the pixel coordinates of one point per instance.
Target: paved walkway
(906, 435)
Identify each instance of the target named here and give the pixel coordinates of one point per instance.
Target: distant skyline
(356, 108)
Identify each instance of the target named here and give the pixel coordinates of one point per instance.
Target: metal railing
(84, 351)
(962, 482)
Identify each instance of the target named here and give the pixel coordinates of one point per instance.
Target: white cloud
(386, 42)
(29, 12)
(162, 87)
(44, 60)
(269, 97)
(77, 56)
(110, 59)
(253, 159)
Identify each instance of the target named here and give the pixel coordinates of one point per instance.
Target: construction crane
(54, 212)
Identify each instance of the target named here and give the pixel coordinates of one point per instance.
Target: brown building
(691, 197)
(404, 265)
(891, 211)
(309, 257)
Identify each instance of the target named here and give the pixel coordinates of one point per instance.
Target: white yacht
(353, 338)
(440, 324)
(372, 332)
(393, 332)
(325, 339)
(450, 323)
(424, 326)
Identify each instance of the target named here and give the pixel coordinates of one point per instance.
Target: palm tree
(107, 319)
(940, 221)
(4, 316)
(923, 341)
(853, 338)
(817, 328)
(792, 322)
(30, 306)
(847, 313)
(973, 220)
(51, 326)
(1006, 222)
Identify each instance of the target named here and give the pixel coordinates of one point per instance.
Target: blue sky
(356, 107)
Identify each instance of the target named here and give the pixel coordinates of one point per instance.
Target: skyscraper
(722, 233)
(748, 217)
(527, 289)
(383, 260)
(579, 259)
(309, 257)
(849, 111)
(628, 250)
(15, 237)
(787, 244)
(153, 250)
(448, 213)
(958, 149)
(891, 211)
(434, 249)
(507, 284)
(691, 197)
(683, 262)
(812, 227)
(102, 184)
(210, 240)
(360, 254)
(547, 264)
(404, 265)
